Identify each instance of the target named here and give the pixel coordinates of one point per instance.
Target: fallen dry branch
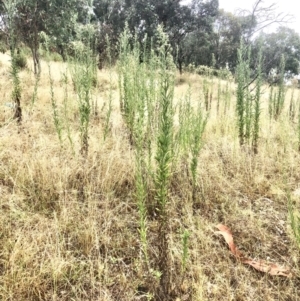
(260, 265)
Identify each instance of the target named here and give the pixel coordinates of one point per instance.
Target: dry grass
(56, 247)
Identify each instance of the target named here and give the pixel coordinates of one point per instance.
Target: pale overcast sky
(291, 7)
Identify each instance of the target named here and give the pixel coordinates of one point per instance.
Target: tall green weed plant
(277, 93)
(146, 85)
(248, 104)
(83, 69)
(146, 78)
(57, 119)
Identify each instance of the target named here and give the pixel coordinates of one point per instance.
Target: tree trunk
(62, 52)
(16, 93)
(18, 110)
(180, 66)
(36, 60)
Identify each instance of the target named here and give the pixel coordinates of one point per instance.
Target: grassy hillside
(70, 227)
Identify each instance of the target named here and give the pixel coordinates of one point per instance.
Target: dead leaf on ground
(260, 265)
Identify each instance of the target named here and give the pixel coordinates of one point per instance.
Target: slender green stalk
(219, 95)
(35, 91)
(162, 176)
(248, 97)
(248, 116)
(271, 103)
(198, 123)
(206, 93)
(292, 106)
(56, 118)
(164, 158)
(279, 103)
(183, 136)
(66, 109)
(185, 249)
(152, 95)
(248, 103)
(145, 102)
(141, 189)
(83, 72)
(227, 97)
(110, 96)
(129, 81)
(241, 95)
(257, 105)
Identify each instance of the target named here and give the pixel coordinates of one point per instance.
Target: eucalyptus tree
(197, 44)
(229, 29)
(111, 17)
(143, 17)
(285, 41)
(56, 18)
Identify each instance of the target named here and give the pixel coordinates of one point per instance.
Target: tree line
(199, 32)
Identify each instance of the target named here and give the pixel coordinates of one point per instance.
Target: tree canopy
(285, 41)
(199, 32)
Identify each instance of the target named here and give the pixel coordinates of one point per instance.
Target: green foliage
(227, 97)
(257, 104)
(82, 69)
(279, 104)
(206, 93)
(56, 18)
(139, 94)
(51, 56)
(128, 91)
(20, 60)
(185, 254)
(204, 70)
(284, 42)
(195, 30)
(55, 112)
(3, 47)
(248, 104)
(110, 97)
(164, 158)
(189, 137)
(277, 94)
(292, 106)
(271, 102)
(229, 31)
(183, 136)
(197, 126)
(179, 21)
(222, 73)
(242, 95)
(219, 95)
(146, 102)
(66, 108)
(164, 143)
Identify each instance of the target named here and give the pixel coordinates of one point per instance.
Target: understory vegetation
(114, 181)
